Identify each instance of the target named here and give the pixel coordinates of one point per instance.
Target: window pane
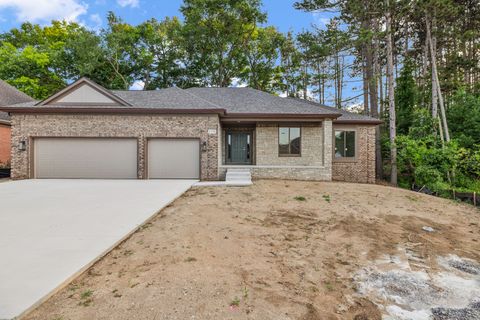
(283, 140)
(294, 140)
(339, 144)
(350, 144)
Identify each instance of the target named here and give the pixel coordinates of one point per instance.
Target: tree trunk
(437, 83)
(366, 110)
(391, 98)
(372, 73)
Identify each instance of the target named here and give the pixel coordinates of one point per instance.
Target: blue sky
(92, 14)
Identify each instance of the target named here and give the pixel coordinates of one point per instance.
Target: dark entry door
(239, 147)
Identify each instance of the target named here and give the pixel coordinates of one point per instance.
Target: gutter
(371, 122)
(40, 110)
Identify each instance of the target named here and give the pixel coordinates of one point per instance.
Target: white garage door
(87, 158)
(173, 158)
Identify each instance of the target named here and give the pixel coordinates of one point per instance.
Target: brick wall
(362, 168)
(311, 146)
(27, 126)
(4, 144)
(313, 164)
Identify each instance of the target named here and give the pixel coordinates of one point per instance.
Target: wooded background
(418, 61)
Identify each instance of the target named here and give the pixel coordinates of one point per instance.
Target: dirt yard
(279, 250)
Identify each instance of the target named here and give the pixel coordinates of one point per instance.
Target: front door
(239, 147)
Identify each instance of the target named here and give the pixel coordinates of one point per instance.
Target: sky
(92, 14)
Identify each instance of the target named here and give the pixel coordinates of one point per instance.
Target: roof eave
(371, 122)
(110, 110)
(282, 115)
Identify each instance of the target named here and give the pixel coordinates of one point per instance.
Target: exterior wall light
(22, 146)
(204, 146)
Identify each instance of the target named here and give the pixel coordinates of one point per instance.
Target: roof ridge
(209, 102)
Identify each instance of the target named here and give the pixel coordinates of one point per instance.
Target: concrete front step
(242, 176)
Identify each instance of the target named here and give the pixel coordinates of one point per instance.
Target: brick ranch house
(8, 96)
(87, 131)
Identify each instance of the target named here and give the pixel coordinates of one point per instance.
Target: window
(289, 141)
(344, 144)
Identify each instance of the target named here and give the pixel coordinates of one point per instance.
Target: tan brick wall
(313, 164)
(28, 126)
(311, 146)
(4, 144)
(362, 169)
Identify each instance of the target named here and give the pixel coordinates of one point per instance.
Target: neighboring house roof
(8, 96)
(228, 102)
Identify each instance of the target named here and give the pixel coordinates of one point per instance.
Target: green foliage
(425, 162)
(216, 33)
(405, 98)
(261, 56)
(464, 118)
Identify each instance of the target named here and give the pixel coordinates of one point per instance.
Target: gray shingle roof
(234, 101)
(170, 98)
(251, 101)
(10, 95)
(345, 115)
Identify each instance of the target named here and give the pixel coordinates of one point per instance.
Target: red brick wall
(4, 144)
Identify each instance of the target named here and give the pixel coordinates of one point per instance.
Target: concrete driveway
(50, 230)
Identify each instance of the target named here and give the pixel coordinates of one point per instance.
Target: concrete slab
(50, 230)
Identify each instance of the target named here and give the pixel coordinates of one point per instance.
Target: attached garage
(173, 158)
(85, 158)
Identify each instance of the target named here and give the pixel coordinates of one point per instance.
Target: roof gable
(84, 92)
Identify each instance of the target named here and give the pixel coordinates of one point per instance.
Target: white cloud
(238, 83)
(320, 19)
(128, 3)
(45, 10)
(96, 21)
(137, 85)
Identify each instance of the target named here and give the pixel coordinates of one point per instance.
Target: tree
(405, 98)
(262, 53)
(391, 97)
(162, 53)
(216, 33)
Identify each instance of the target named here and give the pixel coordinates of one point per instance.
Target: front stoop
(234, 178)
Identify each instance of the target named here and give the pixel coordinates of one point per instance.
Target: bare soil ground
(275, 250)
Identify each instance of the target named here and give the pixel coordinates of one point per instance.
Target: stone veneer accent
(315, 162)
(362, 168)
(28, 126)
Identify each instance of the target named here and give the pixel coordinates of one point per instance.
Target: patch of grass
(145, 226)
(86, 294)
(245, 292)
(326, 197)
(73, 287)
(235, 302)
(190, 259)
(86, 298)
(127, 252)
(300, 198)
(412, 198)
(328, 286)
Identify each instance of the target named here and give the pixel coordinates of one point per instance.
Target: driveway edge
(94, 261)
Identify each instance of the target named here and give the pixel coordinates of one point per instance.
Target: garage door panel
(173, 159)
(87, 158)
